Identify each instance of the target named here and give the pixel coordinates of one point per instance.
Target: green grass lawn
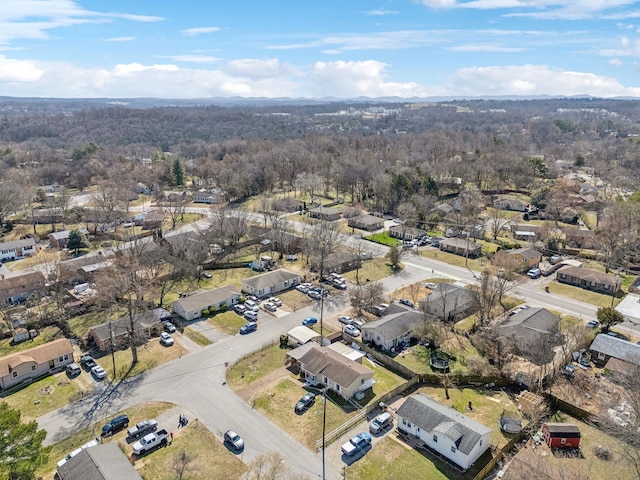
(46, 335)
(374, 269)
(229, 322)
(584, 295)
(383, 238)
(476, 264)
(256, 366)
(392, 459)
(197, 337)
(384, 381)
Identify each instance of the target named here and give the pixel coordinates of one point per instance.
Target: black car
(407, 302)
(305, 402)
(115, 425)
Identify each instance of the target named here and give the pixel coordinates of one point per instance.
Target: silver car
(234, 440)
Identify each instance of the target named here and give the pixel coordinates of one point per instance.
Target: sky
(317, 49)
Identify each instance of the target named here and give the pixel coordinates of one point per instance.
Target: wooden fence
(499, 454)
(336, 433)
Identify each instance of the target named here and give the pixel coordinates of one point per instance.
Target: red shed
(561, 435)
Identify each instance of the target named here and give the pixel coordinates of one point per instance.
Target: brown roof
(339, 369)
(39, 355)
(28, 282)
(590, 275)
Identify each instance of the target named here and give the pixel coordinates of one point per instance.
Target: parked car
(234, 440)
(346, 319)
(142, 428)
(593, 323)
(248, 328)
(252, 298)
(239, 309)
(356, 443)
(534, 273)
(340, 285)
(115, 425)
(276, 301)
(302, 288)
(73, 370)
(430, 285)
(381, 423)
(314, 295)
(251, 305)
(352, 330)
(166, 339)
(98, 372)
(309, 321)
(207, 275)
(251, 315)
(151, 441)
(407, 302)
(305, 402)
(270, 306)
(169, 327)
(88, 362)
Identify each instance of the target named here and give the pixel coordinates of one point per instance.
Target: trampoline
(509, 424)
(440, 365)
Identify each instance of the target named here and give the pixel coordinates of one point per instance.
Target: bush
(205, 312)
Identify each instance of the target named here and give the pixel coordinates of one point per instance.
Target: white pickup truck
(142, 428)
(150, 441)
(356, 443)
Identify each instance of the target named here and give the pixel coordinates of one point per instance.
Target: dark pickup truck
(88, 362)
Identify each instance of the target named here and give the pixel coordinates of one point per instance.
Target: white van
(381, 423)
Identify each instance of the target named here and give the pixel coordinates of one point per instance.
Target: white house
(191, 307)
(443, 429)
(213, 197)
(271, 283)
(17, 249)
(34, 362)
(394, 328)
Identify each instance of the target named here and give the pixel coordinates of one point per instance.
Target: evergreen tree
(21, 449)
(76, 241)
(178, 172)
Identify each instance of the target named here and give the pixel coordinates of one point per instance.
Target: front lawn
(475, 264)
(371, 270)
(384, 238)
(228, 322)
(584, 295)
(256, 366)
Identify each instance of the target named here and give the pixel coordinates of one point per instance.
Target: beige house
(35, 362)
(461, 246)
(325, 213)
(116, 333)
(270, 283)
(589, 279)
(522, 259)
(191, 307)
(321, 365)
(21, 287)
(366, 222)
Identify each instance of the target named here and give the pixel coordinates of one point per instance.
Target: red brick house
(589, 279)
(561, 435)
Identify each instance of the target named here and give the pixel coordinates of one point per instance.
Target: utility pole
(113, 357)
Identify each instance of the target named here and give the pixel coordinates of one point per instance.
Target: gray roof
(120, 326)
(367, 220)
(25, 242)
(326, 210)
(460, 243)
(207, 298)
(260, 282)
(529, 253)
(533, 319)
(396, 323)
(589, 275)
(336, 367)
(60, 235)
(432, 416)
(455, 297)
(102, 462)
(617, 348)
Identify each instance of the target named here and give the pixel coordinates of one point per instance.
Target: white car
(99, 372)
(270, 306)
(166, 339)
(346, 319)
(430, 285)
(352, 330)
(251, 305)
(276, 301)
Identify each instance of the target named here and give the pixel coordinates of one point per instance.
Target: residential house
(533, 332)
(35, 362)
(453, 435)
(301, 335)
(406, 233)
(521, 259)
(561, 435)
(614, 353)
(60, 239)
(579, 237)
(288, 204)
(589, 279)
(100, 462)
(19, 288)
(17, 249)
(449, 302)
(191, 306)
(285, 242)
(526, 232)
(510, 203)
(394, 328)
(81, 269)
(270, 283)
(336, 262)
(116, 333)
(366, 222)
(215, 196)
(321, 365)
(153, 220)
(328, 214)
(461, 246)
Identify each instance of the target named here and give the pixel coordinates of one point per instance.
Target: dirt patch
(251, 391)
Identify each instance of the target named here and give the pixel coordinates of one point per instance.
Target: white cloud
(533, 80)
(19, 71)
(381, 12)
(255, 68)
(616, 61)
(132, 68)
(191, 32)
(439, 3)
(119, 39)
(485, 48)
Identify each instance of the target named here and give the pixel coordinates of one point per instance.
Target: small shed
(561, 435)
(300, 335)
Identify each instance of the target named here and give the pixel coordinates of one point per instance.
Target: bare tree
(498, 221)
(183, 464)
(10, 199)
(175, 205)
(394, 255)
(270, 466)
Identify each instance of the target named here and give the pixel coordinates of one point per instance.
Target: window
(480, 442)
(60, 359)
(418, 429)
(404, 422)
(14, 374)
(337, 387)
(563, 441)
(601, 356)
(326, 380)
(435, 438)
(66, 357)
(33, 368)
(453, 449)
